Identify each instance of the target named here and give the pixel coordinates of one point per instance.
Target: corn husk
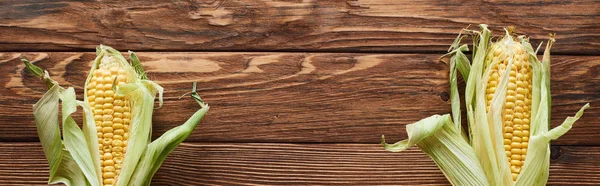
(488, 160)
(74, 159)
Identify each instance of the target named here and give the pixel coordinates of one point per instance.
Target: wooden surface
(307, 25)
(300, 91)
(318, 97)
(297, 164)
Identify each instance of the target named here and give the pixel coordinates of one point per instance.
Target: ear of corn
(113, 147)
(508, 101)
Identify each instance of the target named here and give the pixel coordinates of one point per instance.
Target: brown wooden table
(300, 91)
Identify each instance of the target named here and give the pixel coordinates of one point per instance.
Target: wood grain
(294, 97)
(307, 25)
(296, 164)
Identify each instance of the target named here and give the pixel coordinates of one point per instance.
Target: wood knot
(554, 152)
(445, 96)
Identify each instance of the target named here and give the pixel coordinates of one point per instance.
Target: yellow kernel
(126, 121)
(516, 139)
(508, 129)
(514, 176)
(107, 87)
(521, 83)
(516, 162)
(98, 72)
(117, 149)
(510, 98)
(516, 151)
(106, 124)
(118, 109)
(109, 181)
(515, 169)
(118, 103)
(525, 138)
(518, 121)
(515, 157)
(107, 80)
(108, 135)
(117, 125)
(98, 117)
(98, 107)
(109, 99)
(118, 158)
(119, 132)
(126, 115)
(99, 100)
(509, 105)
(98, 112)
(107, 156)
(107, 118)
(117, 137)
(518, 133)
(507, 141)
(99, 93)
(107, 130)
(508, 135)
(126, 136)
(117, 120)
(106, 148)
(117, 143)
(107, 141)
(515, 145)
(100, 134)
(507, 148)
(107, 111)
(512, 86)
(524, 145)
(118, 115)
(107, 106)
(518, 127)
(114, 70)
(109, 168)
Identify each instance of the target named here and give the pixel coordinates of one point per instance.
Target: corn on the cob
(113, 148)
(517, 107)
(112, 117)
(508, 103)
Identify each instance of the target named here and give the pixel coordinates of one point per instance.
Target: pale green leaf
(63, 169)
(438, 138)
(157, 151)
(142, 95)
(74, 140)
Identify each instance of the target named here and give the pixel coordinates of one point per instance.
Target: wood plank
(251, 25)
(294, 97)
(297, 164)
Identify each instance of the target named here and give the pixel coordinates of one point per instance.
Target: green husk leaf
(438, 138)
(142, 97)
(74, 140)
(458, 62)
(63, 169)
(137, 65)
(157, 151)
(91, 136)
